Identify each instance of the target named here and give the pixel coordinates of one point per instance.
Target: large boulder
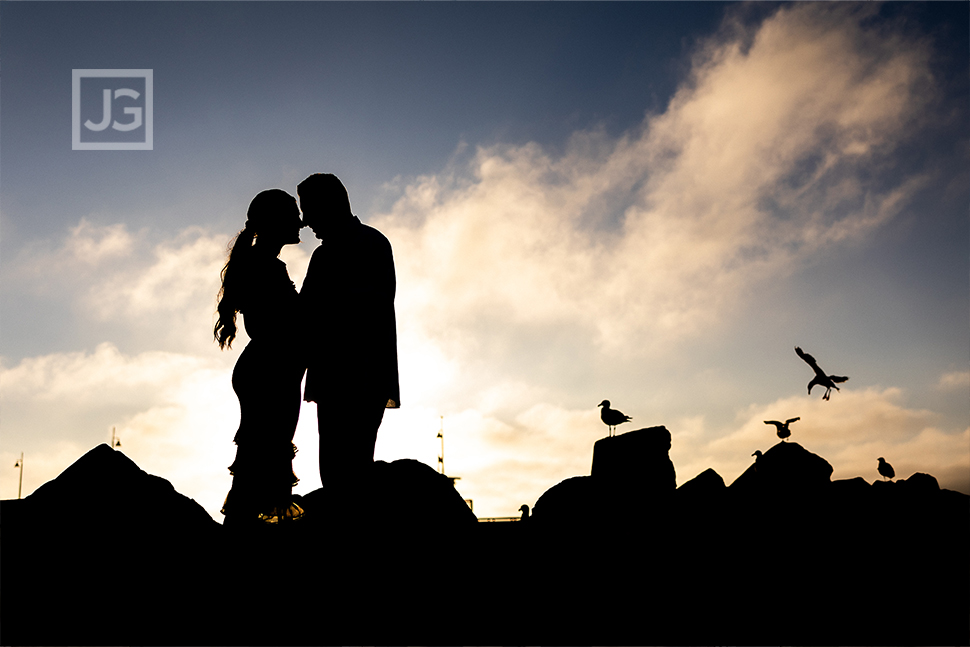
(920, 484)
(857, 486)
(105, 487)
(706, 484)
(101, 549)
(567, 502)
(636, 463)
(401, 494)
(785, 469)
(631, 473)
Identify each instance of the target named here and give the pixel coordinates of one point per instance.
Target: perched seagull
(885, 469)
(611, 417)
(757, 457)
(524, 509)
(828, 381)
(782, 427)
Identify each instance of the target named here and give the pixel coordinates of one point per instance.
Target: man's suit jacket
(347, 304)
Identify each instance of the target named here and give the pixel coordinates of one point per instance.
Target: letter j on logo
(112, 110)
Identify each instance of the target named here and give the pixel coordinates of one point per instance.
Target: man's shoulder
(372, 235)
(318, 251)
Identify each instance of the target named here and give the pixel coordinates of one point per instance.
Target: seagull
(611, 417)
(828, 381)
(757, 457)
(782, 427)
(524, 509)
(885, 469)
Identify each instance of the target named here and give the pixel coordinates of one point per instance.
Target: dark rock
(885, 491)
(784, 469)
(956, 501)
(106, 554)
(707, 483)
(637, 462)
(107, 485)
(919, 484)
(631, 474)
(101, 548)
(747, 482)
(574, 498)
(857, 485)
(847, 496)
(401, 494)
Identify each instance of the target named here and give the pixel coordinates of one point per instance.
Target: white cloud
(178, 273)
(955, 381)
(79, 378)
(757, 164)
(91, 244)
(59, 266)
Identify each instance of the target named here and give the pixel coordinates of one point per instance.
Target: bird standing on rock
(611, 417)
(782, 427)
(828, 381)
(885, 469)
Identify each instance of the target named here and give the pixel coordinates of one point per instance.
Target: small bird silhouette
(757, 457)
(885, 469)
(524, 509)
(611, 417)
(782, 427)
(828, 381)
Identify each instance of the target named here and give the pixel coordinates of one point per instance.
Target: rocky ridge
(108, 554)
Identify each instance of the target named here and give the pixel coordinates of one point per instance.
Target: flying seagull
(782, 427)
(828, 381)
(611, 417)
(885, 469)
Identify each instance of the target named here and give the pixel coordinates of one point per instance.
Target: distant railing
(498, 519)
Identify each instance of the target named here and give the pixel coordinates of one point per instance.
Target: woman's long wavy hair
(260, 214)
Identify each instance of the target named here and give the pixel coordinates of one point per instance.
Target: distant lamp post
(20, 464)
(441, 456)
(115, 441)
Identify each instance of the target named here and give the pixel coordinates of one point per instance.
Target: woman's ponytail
(228, 297)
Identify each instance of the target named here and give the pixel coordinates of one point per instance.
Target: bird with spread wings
(821, 379)
(782, 427)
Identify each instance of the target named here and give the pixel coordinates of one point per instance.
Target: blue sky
(651, 203)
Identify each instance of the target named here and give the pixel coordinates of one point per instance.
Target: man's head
(324, 202)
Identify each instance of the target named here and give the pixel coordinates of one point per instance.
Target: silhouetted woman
(269, 371)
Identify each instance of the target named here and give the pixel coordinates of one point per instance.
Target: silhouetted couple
(340, 329)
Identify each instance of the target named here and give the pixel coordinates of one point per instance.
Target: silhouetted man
(348, 308)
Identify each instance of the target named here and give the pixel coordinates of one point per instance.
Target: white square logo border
(76, 143)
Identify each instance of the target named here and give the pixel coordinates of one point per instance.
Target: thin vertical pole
(20, 486)
(441, 457)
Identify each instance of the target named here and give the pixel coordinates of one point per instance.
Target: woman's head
(273, 214)
(272, 220)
